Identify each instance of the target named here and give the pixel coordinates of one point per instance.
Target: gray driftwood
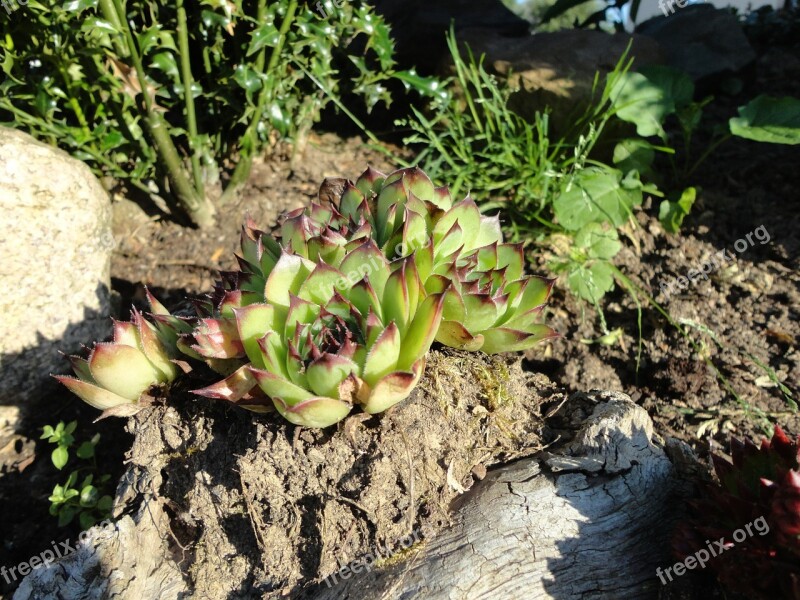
(588, 519)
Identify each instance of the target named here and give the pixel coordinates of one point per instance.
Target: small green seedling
(87, 501)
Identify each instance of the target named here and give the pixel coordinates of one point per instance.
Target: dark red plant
(760, 488)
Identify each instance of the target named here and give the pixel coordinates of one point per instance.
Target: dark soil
(743, 319)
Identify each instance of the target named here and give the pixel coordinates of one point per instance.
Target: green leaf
(671, 214)
(65, 515)
(85, 450)
(247, 78)
(165, 61)
(634, 154)
(769, 119)
(71, 427)
(647, 98)
(105, 504)
(598, 241)
(60, 456)
(595, 195)
(78, 5)
(592, 281)
(87, 520)
(89, 496)
(267, 35)
(47, 431)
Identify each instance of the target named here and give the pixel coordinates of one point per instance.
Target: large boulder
(419, 26)
(56, 248)
(704, 41)
(557, 70)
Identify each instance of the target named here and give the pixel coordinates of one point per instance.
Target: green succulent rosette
(338, 308)
(320, 342)
(140, 356)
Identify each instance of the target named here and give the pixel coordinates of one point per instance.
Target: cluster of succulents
(338, 308)
(761, 483)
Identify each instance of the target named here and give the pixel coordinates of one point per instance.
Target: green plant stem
(188, 95)
(111, 15)
(198, 208)
(708, 151)
(249, 141)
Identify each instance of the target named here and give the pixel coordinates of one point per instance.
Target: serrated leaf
(595, 195)
(598, 241)
(267, 35)
(592, 281)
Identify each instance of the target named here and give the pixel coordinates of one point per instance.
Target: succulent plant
(491, 306)
(320, 343)
(340, 307)
(761, 483)
(140, 356)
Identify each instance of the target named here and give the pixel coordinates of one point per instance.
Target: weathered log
(590, 521)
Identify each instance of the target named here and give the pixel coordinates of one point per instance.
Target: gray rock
(56, 246)
(702, 40)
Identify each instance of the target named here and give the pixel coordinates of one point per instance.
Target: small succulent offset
(341, 306)
(762, 482)
(142, 355)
